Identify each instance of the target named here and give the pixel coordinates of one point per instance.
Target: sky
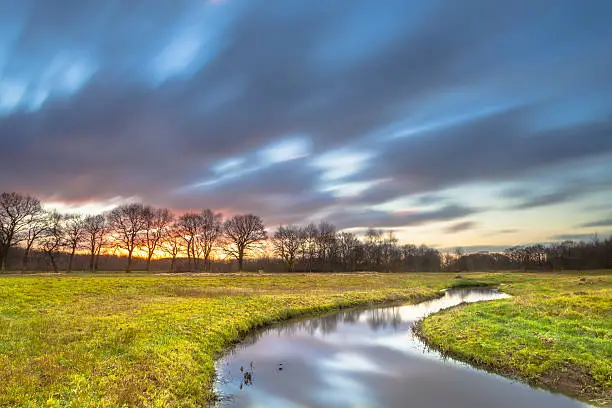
(473, 123)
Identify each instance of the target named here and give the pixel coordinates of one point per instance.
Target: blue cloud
(298, 109)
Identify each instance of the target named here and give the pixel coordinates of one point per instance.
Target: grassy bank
(143, 340)
(138, 340)
(555, 332)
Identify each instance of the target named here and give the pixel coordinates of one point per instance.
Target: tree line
(127, 230)
(565, 255)
(193, 241)
(137, 236)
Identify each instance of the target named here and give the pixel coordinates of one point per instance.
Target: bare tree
(36, 227)
(102, 243)
(157, 222)
(373, 245)
(287, 241)
(74, 230)
(210, 229)
(188, 228)
(201, 232)
(172, 244)
(15, 213)
(326, 243)
(127, 223)
(348, 245)
(244, 233)
(390, 253)
(94, 229)
(309, 245)
(53, 238)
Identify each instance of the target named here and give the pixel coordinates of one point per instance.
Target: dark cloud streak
(460, 227)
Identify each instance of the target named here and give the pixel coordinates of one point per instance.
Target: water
(366, 358)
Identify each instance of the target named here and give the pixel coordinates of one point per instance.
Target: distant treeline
(136, 236)
(566, 255)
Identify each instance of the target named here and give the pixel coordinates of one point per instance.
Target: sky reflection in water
(366, 358)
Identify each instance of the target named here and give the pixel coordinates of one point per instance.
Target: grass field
(151, 341)
(555, 332)
(143, 340)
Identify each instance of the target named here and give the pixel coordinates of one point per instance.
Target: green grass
(143, 340)
(555, 332)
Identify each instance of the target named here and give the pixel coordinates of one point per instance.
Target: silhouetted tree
(389, 252)
(326, 244)
(348, 250)
(201, 232)
(156, 223)
(36, 226)
(94, 230)
(53, 238)
(15, 213)
(172, 244)
(373, 244)
(287, 241)
(209, 232)
(243, 233)
(74, 231)
(309, 245)
(127, 223)
(188, 227)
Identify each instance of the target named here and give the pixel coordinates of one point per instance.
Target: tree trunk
(189, 255)
(240, 259)
(92, 258)
(71, 259)
(129, 261)
(26, 258)
(3, 257)
(291, 265)
(52, 259)
(172, 264)
(196, 260)
(149, 262)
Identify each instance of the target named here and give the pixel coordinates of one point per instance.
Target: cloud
(545, 200)
(460, 227)
(606, 222)
(574, 237)
(566, 187)
(384, 219)
(470, 153)
(470, 249)
(300, 109)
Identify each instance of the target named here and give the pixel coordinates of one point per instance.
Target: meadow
(555, 332)
(151, 340)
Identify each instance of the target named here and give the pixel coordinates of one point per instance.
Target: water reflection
(374, 318)
(366, 358)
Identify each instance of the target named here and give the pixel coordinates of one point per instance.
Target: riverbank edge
(314, 312)
(561, 384)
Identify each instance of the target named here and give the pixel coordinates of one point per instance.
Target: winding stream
(366, 358)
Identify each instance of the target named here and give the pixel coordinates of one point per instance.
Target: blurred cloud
(606, 222)
(574, 237)
(298, 110)
(460, 226)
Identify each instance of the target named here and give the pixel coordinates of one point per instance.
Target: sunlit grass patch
(142, 340)
(556, 331)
